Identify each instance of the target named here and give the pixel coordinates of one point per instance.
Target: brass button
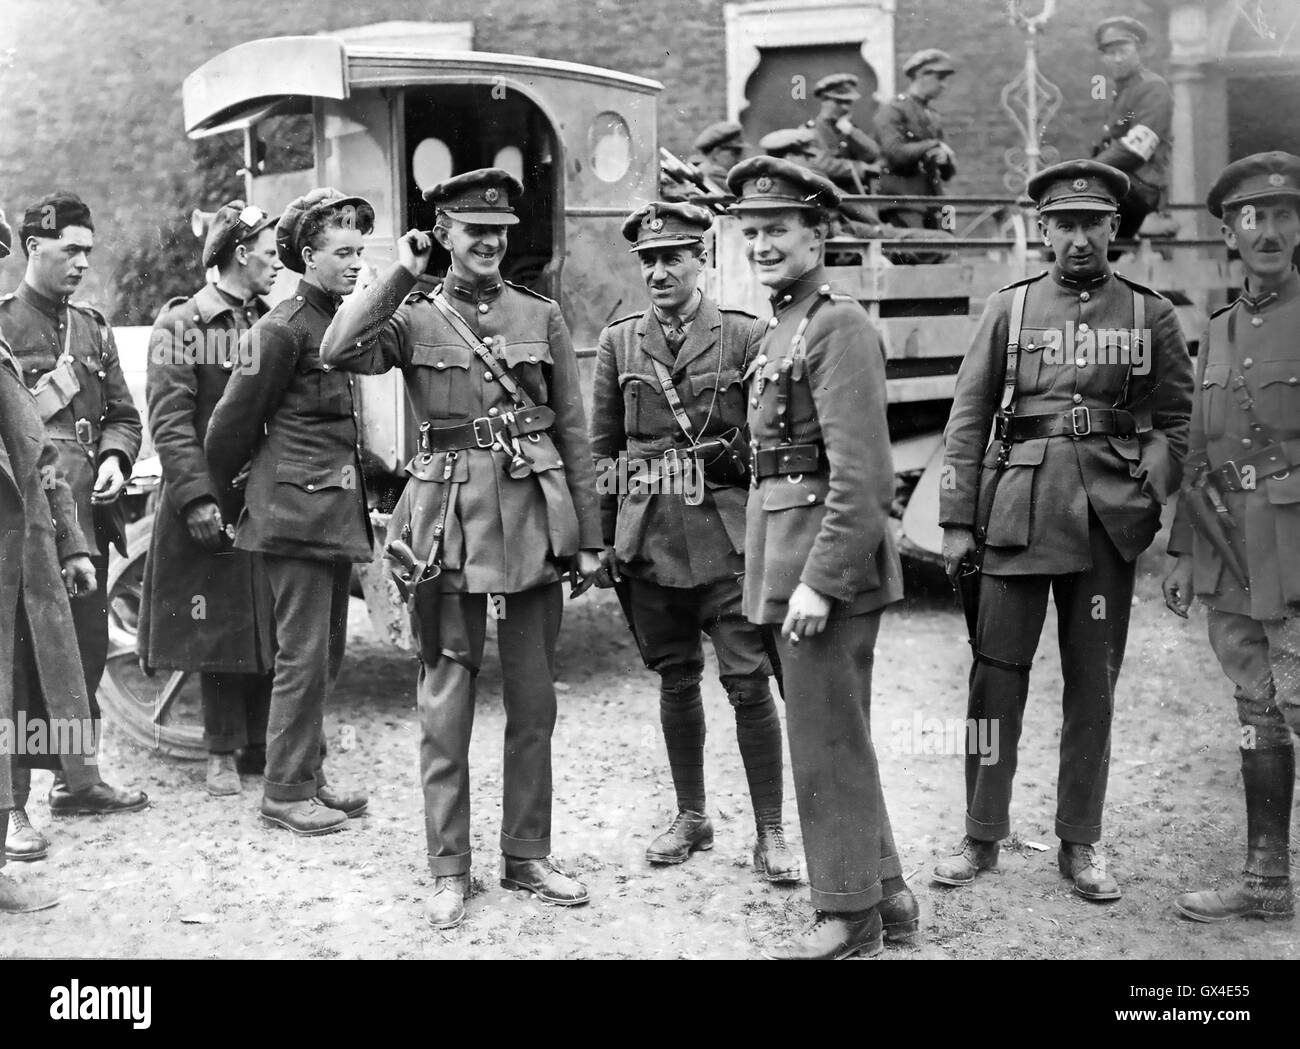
(441, 364)
(753, 402)
(311, 488)
(1293, 381)
(196, 320)
(533, 357)
(1246, 442)
(1083, 326)
(325, 367)
(773, 323)
(1084, 296)
(1255, 322)
(482, 307)
(487, 376)
(298, 297)
(1078, 398)
(1248, 362)
(1081, 361)
(812, 498)
(493, 411)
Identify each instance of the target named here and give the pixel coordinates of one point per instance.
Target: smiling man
(668, 380)
(820, 562)
(69, 360)
(1062, 501)
(1243, 452)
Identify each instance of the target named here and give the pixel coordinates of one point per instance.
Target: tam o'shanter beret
(666, 225)
(928, 60)
(726, 133)
(289, 229)
(49, 216)
(772, 183)
(788, 140)
(1121, 27)
(1254, 179)
(481, 196)
(234, 223)
(1078, 185)
(840, 86)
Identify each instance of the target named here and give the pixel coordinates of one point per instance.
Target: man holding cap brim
(842, 152)
(1244, 434)
(1086, 377)
(917, 159)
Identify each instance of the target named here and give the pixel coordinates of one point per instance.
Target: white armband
(1141, 140)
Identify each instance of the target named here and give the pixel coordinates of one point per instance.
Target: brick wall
(91, 88)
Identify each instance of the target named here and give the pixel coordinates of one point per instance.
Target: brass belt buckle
(1087, 421)
(479, 439)
(1231, 475)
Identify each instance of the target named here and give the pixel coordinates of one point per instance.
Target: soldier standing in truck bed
(843, 152)
(917, 159)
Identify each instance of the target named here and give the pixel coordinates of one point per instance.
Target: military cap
(666, 225)
(1256, 178)
(49, 215)
(481, 196)
(233, 224)
(772, 183)
(1112, 30)
(6, 236)
(726, 133)
(289, 230)
(928, 60)
(1078, 185)
(840, 86)
(788, 140)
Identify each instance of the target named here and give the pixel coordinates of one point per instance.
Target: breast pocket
(444, 379)
(1040, 348)
(531, 363)
(330, 392)
(723, 393)
(645, 410)
(1277, 395)
(1214, 399)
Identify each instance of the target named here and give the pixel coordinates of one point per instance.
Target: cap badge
(491, 194)
(763, 184)
(1080, 184)
(1275, 179)
(655, 224)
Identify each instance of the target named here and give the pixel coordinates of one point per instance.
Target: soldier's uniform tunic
(907, 128)
(193, 350)
(305, 513)
(1137, 138)
(1068, 515)
(828, 528)
(505, 536)
(839, 156)
(1255, 633)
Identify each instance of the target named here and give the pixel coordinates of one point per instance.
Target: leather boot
(900, 915)
(305, 818)
(351, 804)
(773, 858)
(972, 857)
(689, 831)
(23, 841)
(100, 799)
(15, 897)
(445, 908)
(1265, 889)
(544, 880)
(833, 936)
(222, 779)
(1085, 866)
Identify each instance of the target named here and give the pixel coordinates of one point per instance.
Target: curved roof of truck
(282, 74)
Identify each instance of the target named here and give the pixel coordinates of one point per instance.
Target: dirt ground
(197, 877)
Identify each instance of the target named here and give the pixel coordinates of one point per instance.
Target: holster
(55, 389)
(725, 458)
(426, 619)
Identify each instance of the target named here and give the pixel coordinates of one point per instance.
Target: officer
(1087, 377)
(43, 558)
(719, 147)
(1243, 456)
(193, 349)
(69, 360)
(820, 560)
(500, 503)
(844, 153)
(917, 159)
(1138, 134)
(668, 380)
(292, 423)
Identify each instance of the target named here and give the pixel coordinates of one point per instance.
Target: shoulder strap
(1007, 406)
(792, 368)
(673, 398)
(516, 392)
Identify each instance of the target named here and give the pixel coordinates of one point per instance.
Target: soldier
(1088, 380)
(668, 379)
(1243, 458)
(845, 154)
(719, 147)
(1138, 135)
(917, 159)
(292, 423)
(68, 358)
(192, 350)
(820, 561)
(500, 504)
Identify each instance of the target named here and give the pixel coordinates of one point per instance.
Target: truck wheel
(162, 712)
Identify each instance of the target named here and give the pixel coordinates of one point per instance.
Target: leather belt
(1244, 473)
(487, 430)
(787, 459)
(89, 433)
(1077, 422)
